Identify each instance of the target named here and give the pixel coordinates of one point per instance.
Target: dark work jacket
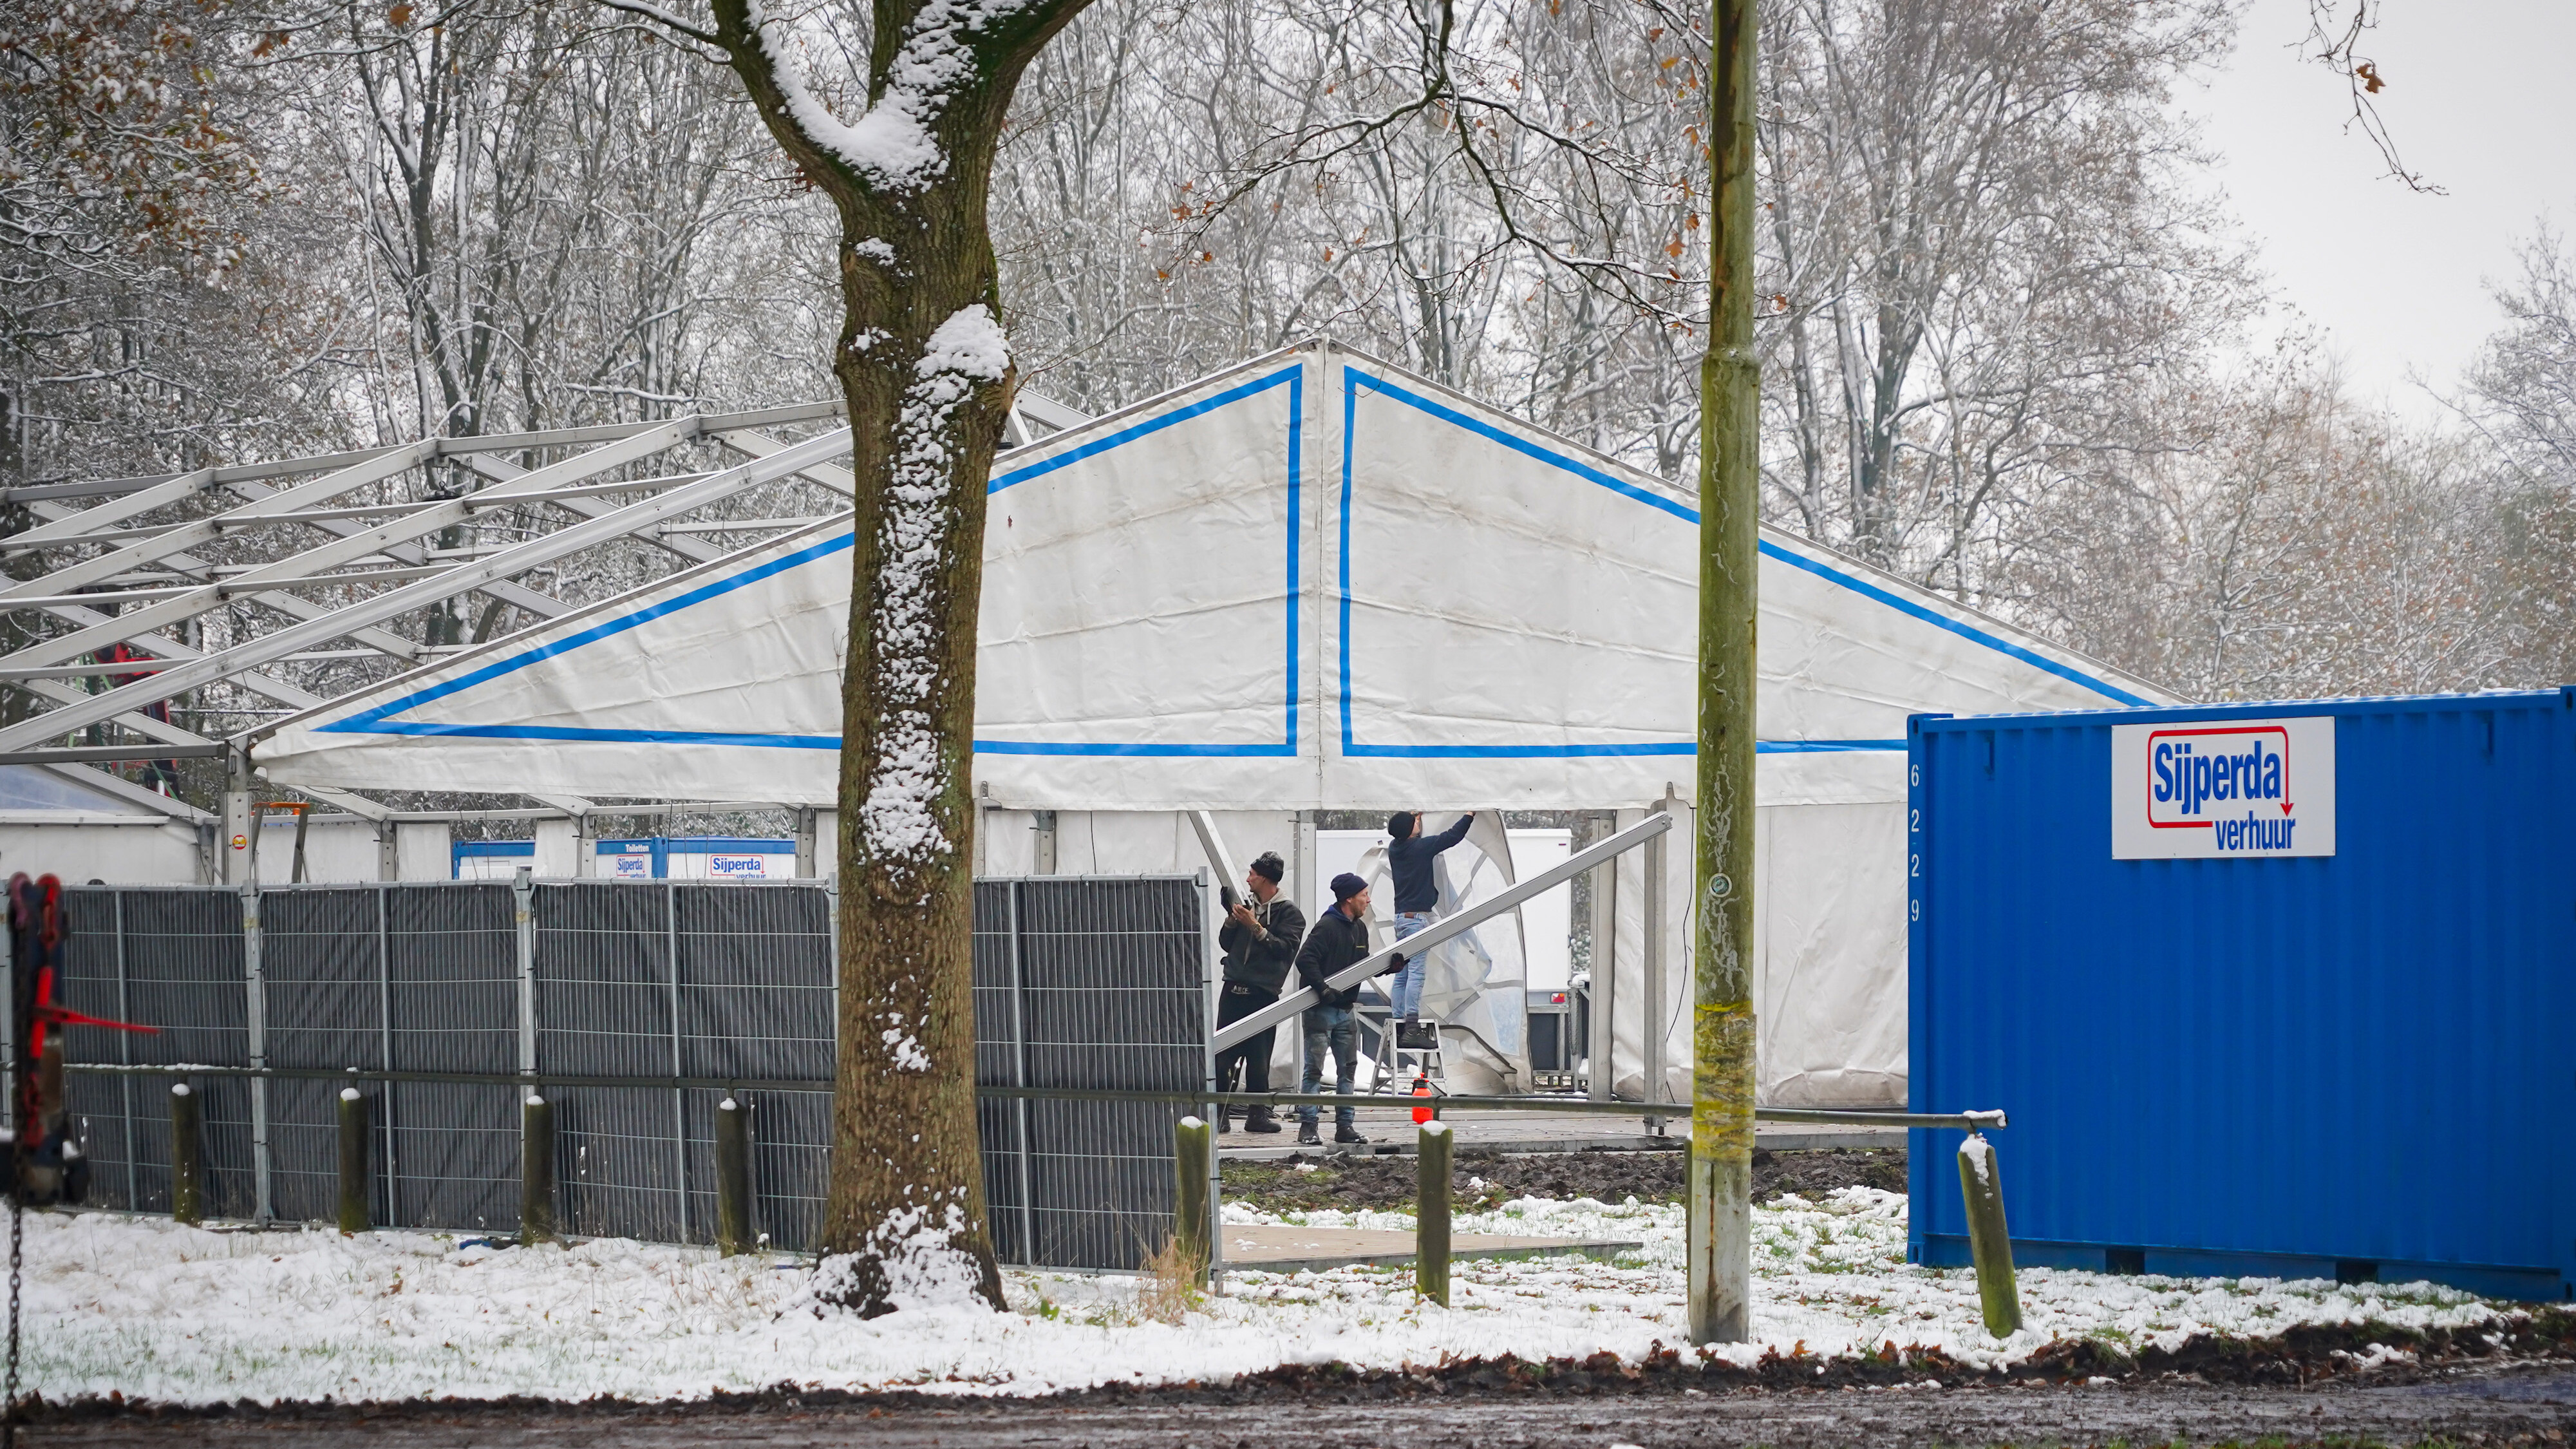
(1415, 887)
(1260, 959)
(1336, 943)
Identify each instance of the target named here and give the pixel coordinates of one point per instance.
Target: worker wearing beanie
(1260, 939)
(1409, 854)
(1339, 941)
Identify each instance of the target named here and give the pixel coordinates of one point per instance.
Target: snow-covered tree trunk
(923, 362)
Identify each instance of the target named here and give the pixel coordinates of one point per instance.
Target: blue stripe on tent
(378, 720)
(1573, 752)
(1029, 747)
(1293, 374)
(1968, 631)
(1523, 446)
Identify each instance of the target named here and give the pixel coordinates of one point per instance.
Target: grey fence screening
(1079, 982)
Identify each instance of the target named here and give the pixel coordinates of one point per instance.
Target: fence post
(255, 985)
(1981, 1184)
(187, 1156)
(733, 1178)
(1432, 1161)
(522, 896)
(536, 1171)
(1196, 1142)
(353, 1162)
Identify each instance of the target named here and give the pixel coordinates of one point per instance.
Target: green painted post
(537, 1171)
(187, 1155)
(353, 1162)
(1981, 1184)
(1194, 1141)
(1434, 1156)
(1719, 1223)
(733, 1178)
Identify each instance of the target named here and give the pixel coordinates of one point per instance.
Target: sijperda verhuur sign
(2223, 789)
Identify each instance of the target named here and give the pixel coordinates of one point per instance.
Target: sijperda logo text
(2223, 789)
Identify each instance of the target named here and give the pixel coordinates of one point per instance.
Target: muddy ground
(2521, 1403)
(1333, 1180)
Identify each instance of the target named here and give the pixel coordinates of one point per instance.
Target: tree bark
(922, 364)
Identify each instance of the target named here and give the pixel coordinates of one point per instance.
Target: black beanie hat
(1267, 866)
(1347, 885)
(1399, 825)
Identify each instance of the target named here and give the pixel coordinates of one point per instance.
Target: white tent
(1311, 582)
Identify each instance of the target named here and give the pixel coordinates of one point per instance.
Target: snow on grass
(154, 1310)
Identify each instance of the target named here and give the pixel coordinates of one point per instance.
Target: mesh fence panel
(1103, 985)
(102, 1108)
(756, 1003)
(452, 997)
(1078, 983)
(323, 990)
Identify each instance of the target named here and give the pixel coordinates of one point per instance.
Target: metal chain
(17, 1259)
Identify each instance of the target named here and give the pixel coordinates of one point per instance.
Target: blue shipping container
(2235, 1045)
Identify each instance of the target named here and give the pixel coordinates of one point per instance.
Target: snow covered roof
(1309, 581)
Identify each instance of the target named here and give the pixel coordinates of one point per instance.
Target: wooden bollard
(353, 1162)
(1194, 1140)
(733, 1178)
(187, 1155)
(1432, 1160)
(1981, 1184)
(536, 1171)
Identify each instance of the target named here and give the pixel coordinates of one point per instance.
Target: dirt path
(2532, 1404)
(1483, 1179)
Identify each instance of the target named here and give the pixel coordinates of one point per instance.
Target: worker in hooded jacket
(1260, 939)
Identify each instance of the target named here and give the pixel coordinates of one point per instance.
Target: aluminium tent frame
(119, 571)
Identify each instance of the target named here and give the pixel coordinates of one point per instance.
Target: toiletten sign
(2223, 789)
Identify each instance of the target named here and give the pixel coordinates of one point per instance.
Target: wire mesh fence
(1079, 982)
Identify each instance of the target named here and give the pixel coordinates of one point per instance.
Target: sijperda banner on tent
(1312, 581)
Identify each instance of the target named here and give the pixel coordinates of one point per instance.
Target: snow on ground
(145, 1307)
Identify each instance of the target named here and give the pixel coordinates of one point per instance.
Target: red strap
(69, 1017)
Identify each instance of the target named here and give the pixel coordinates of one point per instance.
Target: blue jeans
(1336, 1028)
(1408, 982)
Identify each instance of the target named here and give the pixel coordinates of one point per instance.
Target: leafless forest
(2014, 346)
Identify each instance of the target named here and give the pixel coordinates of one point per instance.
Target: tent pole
(1720, 1214)
(1600, 1069)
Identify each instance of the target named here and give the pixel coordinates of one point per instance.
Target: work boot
(1348, 1133)
(1307, 1135)
(1260, 1119)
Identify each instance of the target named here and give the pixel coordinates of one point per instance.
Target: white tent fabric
(1309, 582)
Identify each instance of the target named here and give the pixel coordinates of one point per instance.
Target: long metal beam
(342, 550)
(113, 754)
(447, 448)
(186, 485)
(206, 530)
(338, 623)
(1420, 941)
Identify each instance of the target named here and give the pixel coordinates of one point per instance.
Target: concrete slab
(1292, 1249)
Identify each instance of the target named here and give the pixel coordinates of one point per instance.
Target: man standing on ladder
(1409, 855)
(1260, 939)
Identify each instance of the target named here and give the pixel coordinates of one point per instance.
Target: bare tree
(2334, 41)
(902, 144)
(2522, 401)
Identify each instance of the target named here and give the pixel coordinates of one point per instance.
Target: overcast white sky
(2480, 100)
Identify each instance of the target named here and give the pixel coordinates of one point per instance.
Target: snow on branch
(890, 146)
